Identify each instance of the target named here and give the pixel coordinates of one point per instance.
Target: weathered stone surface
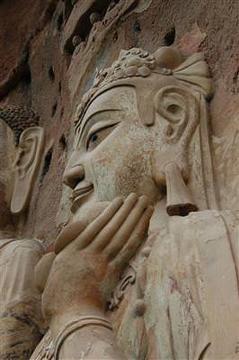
(146, 29)
(178, 298)
(75, 22)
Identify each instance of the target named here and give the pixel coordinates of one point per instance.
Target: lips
(81, 191)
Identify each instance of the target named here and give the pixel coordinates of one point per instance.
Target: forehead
(118, 98)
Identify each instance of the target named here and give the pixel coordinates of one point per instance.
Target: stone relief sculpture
(20, 314)
(29, 139)
(147, 267)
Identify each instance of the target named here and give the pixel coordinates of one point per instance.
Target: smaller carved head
(138, 118)
(28, 137)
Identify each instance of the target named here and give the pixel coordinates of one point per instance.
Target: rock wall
(50, 50)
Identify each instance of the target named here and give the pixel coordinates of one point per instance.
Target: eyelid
(80, 126)
(100, 126)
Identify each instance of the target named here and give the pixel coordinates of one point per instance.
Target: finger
(138, 236)
(95, 227)
(112, 227)
(42, 270)
(123, 234)
(68, 234)
(73, 230)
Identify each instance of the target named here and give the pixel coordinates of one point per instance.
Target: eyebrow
(80, 126)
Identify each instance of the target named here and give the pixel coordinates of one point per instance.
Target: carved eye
(93, 138)
(98, 136)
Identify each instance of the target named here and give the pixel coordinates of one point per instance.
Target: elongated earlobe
(29, 152)
(179, 198)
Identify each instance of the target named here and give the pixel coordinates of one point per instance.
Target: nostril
(73, 176)
(70, 182)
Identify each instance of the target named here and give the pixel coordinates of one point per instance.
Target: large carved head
(133, 129)
(28, 146)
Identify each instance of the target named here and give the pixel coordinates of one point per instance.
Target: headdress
(137, 63)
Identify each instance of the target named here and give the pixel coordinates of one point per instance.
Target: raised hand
(90, 257)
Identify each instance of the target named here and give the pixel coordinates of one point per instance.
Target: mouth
(80, 192)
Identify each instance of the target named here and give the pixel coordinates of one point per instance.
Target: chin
(89, 208)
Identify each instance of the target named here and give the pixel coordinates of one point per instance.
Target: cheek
(121, 165)
(130, 171)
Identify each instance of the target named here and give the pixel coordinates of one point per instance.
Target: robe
(21, 321)
(183, 302)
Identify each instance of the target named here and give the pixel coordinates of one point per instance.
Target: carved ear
(179, 107)
(25, 167)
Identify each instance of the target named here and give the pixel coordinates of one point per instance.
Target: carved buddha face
(113, 151)
(135, 127)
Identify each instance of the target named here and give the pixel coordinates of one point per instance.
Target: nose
(73, 175)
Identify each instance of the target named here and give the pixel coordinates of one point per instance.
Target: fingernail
(149, 211)
(118, 200)
(132, 195)
(144, 199)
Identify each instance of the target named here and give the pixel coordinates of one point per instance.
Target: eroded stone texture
(143, 129)
(21, 321)
(157, 131)
(20, 317)
(47, 92)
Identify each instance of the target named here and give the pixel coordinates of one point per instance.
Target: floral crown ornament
(137, 63)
